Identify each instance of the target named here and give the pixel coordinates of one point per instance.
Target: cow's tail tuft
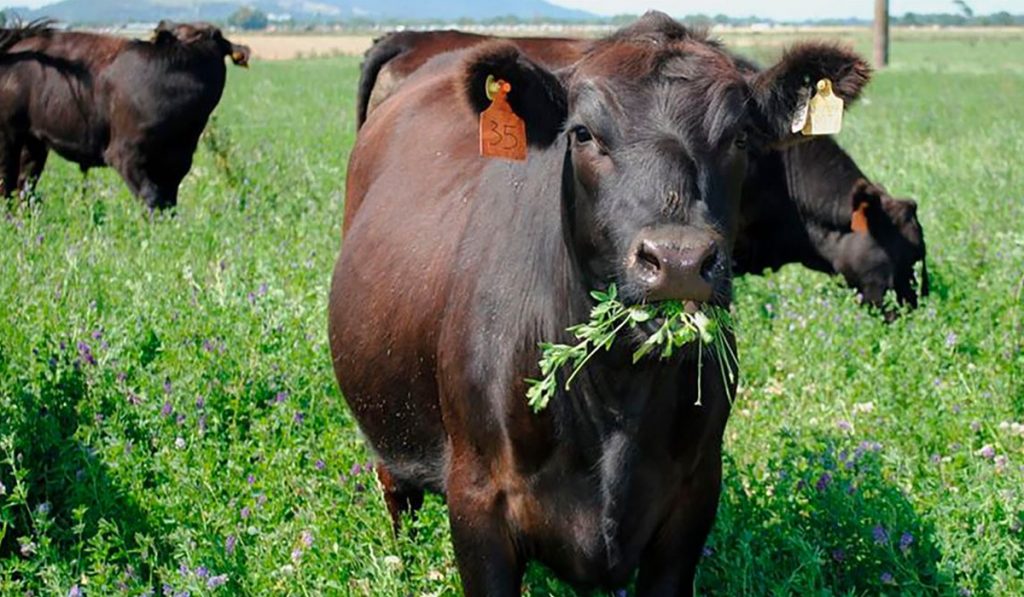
(15, 31)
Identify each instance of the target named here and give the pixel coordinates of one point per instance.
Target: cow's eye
(741, 140)
(581, 134)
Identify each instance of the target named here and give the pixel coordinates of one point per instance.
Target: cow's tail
(383, 50)
(10, 35)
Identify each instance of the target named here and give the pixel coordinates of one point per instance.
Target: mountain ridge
(123, 11)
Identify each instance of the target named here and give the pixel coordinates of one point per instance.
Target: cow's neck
(820, 177)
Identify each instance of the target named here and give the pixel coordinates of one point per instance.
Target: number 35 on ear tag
(502, 132)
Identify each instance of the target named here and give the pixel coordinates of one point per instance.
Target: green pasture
(169, 419)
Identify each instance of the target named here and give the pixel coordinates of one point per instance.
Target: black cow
(455, 267)
(99, 100)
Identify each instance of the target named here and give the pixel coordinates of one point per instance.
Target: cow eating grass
(454, 268)
(100, 100)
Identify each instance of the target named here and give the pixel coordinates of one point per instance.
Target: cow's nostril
(647, 257)
(708, 265)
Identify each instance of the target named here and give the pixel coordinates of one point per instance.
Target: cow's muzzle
(675, 263)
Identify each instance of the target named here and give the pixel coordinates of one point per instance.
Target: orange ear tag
(502, 132)
(859, 219)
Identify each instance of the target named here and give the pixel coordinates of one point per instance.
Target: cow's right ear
(781, 91)
(537, 95)
(865, 201)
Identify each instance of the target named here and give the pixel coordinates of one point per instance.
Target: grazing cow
(796, 200)
(809, 203)
(99, 100)
(454, 267)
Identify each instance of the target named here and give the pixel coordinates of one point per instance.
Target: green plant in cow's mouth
(677, 328)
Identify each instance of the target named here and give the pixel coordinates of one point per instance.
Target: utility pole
(881, 33)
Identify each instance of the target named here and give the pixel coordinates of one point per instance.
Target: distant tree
(1001, 19)
(248, 18)
(968, 12)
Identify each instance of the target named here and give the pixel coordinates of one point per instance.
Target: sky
(775, 9)
(787, 9)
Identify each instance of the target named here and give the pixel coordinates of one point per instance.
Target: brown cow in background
(100, 100)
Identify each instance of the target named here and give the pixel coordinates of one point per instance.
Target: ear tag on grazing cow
(825, 111)
(502, 132)
(859, 219)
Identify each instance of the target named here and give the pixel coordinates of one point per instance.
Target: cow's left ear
(537, 95)
(865, 201)
(782, 90)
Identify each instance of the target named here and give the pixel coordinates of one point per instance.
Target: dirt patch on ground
(288, 47)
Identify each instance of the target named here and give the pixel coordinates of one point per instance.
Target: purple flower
(202, 571)
(167, 409)
(886, 578)
(168, 589)
(951, 340)
(202, 423)
(245, 512)
(43, 508)
(85, 353)
(251, 479)
(74, 591)
(936, 459)
(262, 291)
(183, 569)
(229, 544)
(97, 334)
(180, 419)
(200, 402)
(299, 418)
(296, 554)
(320, 465)
(987, 451)
(708, 551)
(905, 540)
(823, 482)
(281, 397)
(839, 554)
(356, 469)
(261, 498)
(975, 426)
(307, 539)
(167, 385)
(965, 592)
(217, 581)
(880, 535)
(844, 425)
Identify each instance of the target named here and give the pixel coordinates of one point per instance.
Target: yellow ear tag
(502, 132)
(824, 111)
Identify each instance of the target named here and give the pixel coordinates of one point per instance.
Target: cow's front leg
(489, 564)
(669, 564)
